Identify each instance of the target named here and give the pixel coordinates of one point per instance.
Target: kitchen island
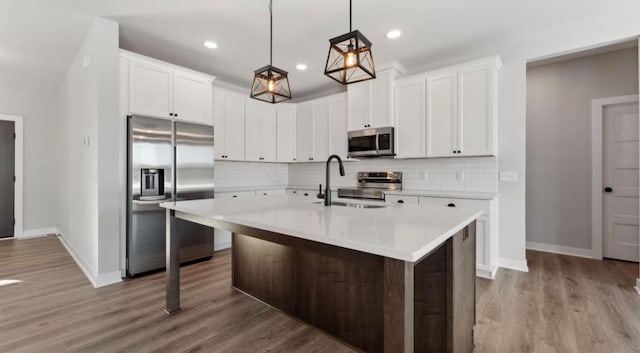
(381, 279)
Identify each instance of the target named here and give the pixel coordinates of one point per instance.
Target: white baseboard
(638, 285)
(37, 233)
(563, 250)
(222, 246)
(106, 279)
(97, 281)
(83, 266)
(518, 265)
(486, 273)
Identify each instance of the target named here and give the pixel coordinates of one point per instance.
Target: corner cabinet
(286, 132)
(164, 90)
(228, 122)
(260, 132)
(322, 128)
(453, 111)
(370, 103)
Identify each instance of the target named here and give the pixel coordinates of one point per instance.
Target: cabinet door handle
(175, 114)
(608, 189)
(451, 205)
(265, 194)
(306, 194)
(400, 201)
(235, 195)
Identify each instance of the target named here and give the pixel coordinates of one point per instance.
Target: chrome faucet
(327, 190)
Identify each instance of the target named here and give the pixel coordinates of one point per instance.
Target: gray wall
(558, 189)
(38, 107)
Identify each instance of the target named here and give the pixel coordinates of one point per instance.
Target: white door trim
(597, 107)
(18, 201)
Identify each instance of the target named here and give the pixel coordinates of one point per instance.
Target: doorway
(615, 178)
(7, 178)
(563, 181)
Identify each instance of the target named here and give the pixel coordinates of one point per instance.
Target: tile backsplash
(250, 174)
(472, 174)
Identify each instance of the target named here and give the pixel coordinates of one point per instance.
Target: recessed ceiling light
(209, 44)
(301, 67)
(394, 33)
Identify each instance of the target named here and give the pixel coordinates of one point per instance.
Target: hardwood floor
(564, 304)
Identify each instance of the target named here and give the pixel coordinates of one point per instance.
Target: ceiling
(38, 38)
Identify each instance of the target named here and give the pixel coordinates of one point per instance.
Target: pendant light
(270, 83)
(350, 59)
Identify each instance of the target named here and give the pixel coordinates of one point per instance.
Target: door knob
(608, 189)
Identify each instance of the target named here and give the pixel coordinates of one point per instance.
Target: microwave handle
(377, 142)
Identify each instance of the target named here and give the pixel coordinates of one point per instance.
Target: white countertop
(403, 232)
(425, 193)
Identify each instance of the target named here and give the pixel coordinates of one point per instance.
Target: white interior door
(620, 178)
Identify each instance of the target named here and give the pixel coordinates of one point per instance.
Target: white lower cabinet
(486, 226)
(222, 239)
(400, 200)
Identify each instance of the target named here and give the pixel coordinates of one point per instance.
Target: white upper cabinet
(305, 133)
(322, 128)
(458, 107)
(477, 130)
(192, 97)
(260, 132)
(370, 103)
(164, 90)
(228, 117)
(359, 101)
(338, 127)
(150, 89)
(410, 118)
(442, 114)
(286, 133)
(320, 132)
(218, 124)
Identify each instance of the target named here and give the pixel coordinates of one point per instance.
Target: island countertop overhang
(406, 232)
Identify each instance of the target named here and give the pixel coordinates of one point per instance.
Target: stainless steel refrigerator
(167, 160)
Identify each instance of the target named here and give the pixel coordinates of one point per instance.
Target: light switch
(460, 175)
(510, 176)
(425, 175)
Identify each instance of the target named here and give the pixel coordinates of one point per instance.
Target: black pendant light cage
(350, 59)
(271, 84)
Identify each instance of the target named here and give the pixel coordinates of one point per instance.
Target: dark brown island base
(371, 302)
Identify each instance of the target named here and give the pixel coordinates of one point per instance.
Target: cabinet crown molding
(135, 56)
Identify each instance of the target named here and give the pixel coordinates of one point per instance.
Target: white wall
(559, 142)
(88, 209)
(39, 109)
(480, 173)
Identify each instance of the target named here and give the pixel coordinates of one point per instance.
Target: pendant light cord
(350, 16)
(271, 31)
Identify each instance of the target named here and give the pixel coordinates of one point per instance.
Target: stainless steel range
(372, 185)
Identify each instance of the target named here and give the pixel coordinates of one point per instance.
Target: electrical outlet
(510, 176)
(425, 175)
(460, 175)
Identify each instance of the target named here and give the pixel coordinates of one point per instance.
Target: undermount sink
(354, 205)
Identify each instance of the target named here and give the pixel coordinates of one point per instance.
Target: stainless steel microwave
(371, 143)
